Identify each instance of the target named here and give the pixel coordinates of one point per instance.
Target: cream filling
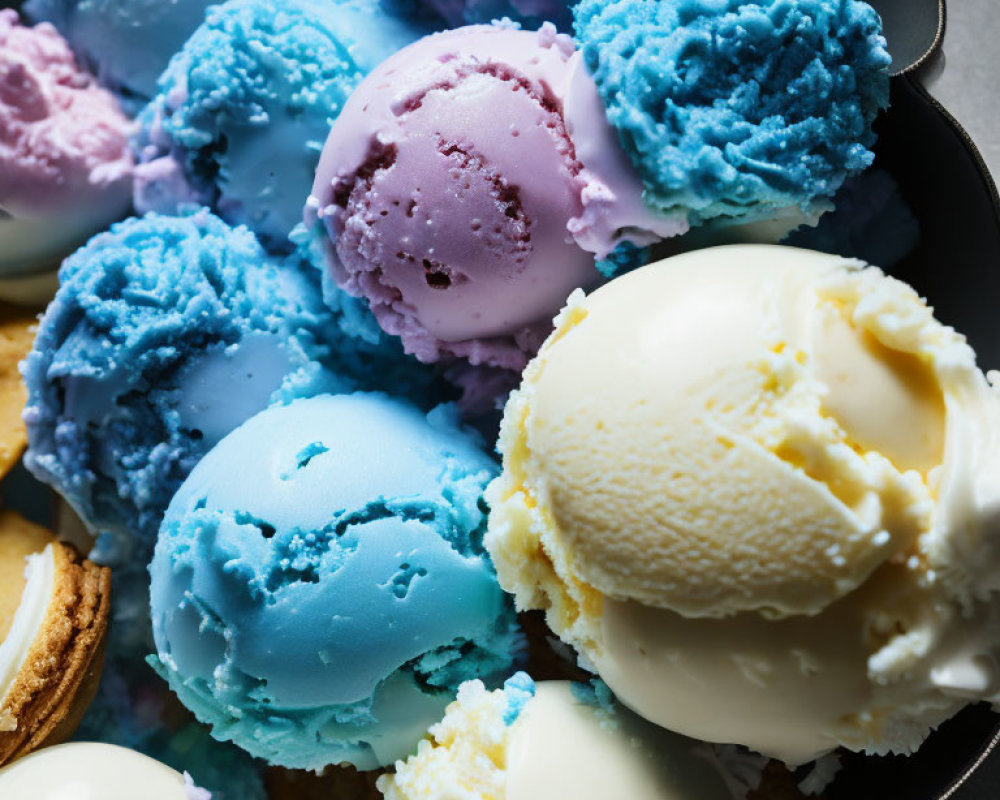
(39, 575)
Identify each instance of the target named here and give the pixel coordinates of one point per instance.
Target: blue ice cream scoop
(243, 109)
(167, 333)
(734, 111)
(320, 587)
(127, 43)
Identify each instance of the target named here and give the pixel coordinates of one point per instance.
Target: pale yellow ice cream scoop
(553, 739)
(749, 484)
(94, 771)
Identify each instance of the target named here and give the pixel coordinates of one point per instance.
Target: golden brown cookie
(54, 636)
(17, 334)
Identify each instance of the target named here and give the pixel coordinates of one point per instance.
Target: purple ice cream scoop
(468, 185)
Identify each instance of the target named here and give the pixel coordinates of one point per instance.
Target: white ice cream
(560, 743)
(92, 771)
(758, 488)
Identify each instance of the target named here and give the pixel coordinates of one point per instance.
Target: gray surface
(966, 77)
(911, 28)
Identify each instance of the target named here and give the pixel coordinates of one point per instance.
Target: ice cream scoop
(84, 770)
(552, 739)
(756, 488)
(17, 332)
(126, 44)
(65, 161)
(167, 333)
(739, 112)
(53, 619)
(240, 114)
(473, 177)
(458, 184)
(319, 586)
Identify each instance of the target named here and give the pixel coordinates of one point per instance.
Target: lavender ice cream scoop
(467, 186)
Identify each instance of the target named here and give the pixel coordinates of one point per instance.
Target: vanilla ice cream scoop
(753, 486)
(91, 770)
(552, 739)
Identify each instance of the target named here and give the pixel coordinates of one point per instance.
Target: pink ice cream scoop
(468, 185)
(65, 161)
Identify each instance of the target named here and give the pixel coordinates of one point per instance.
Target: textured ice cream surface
(126, 43)
(733, 111)
(241, 112)
(320, 586)
(551, 739)
(65, 162)
(466, 188)
(780, 500)
(167, 333)
(455, 13)
(91, 769)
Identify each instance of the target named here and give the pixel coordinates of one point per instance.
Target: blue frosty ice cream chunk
(320, 587)
(127, 43)
(455, 13)
(518, 689)
(733, 110)
(167, 333)
(243, 109)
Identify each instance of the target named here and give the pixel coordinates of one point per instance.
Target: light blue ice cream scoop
(166, 333)
(127, 43)
(320, 587)
(243, 109)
